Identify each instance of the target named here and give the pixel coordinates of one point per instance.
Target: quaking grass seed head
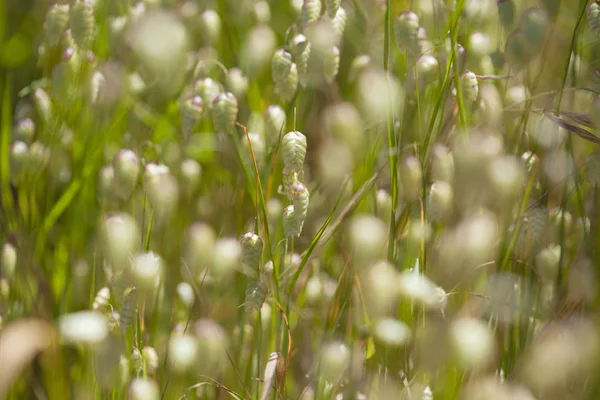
(127, 168)
(470, 86)
(506, 13)
(332, 7)
(275, 120)
(191, 111)
(256, 293)
(102, 300)
(208, 90)
(8, 260)
(310, 13)
(406, 26)
(224, 112)
(293, 147)
(593, 16)
(252, 246)
(236, 82)
(56, 23)
(339, 24)
(281, 65)
(24, 131)
(331, 64)
(210, 26)
(291, 226)
(81, 23)
(144, 389)
(286, 88)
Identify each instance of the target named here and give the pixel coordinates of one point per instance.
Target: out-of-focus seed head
(479, 45)
(147, 270)
(144, 389)
(383, 204)
(334, 360)
(259, 149)
(286, 88)
(339, 24)
(83, 327)
(212, 345)
(378, 94)
(517, 52)
(314, 290)
(535, 26)
(224, 112)
(406, 25)
(191, 111)
(442, 165)
(547, 261)
(102, 300)
(411, 177)
(391, 332)
(493, 388)
(469, 86)
(127, 168)
(252, 246)
(581, 282)
(275, 119)
(343, 122)
(8, 260)
(81, 23)
(427, 68)
(417, 235)
(360, 64)
(56, 23)
(186, 294)
(420, 290)
(208, 90)
(281, 65)
(24, 131)
(472, 342)
(183, 352)
(262, 11)
(257, 50)
(150, 360)
(293, 147)
(274, 209)
(106, 182)
(236, 82)
(506, 13)
(121, 240)
(159, 40)
(593, 16)
(310, 13)
(43, 104)
(210, 26)
(333, 175)
(380, 288)
(331, 64)
(190, 174)
(507, 177)
(367, 237)
(163, 195)
(228, 255)
(199, 247)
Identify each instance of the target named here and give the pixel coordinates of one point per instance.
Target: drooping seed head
(81, 23)
(290, 223)
(144, 389)
(190, 173)
(406, 26)
(440, 201)
(228, 255)
(199, 247)
(257, 49)
(102, 300)
(83, 327)
(151, 359)
(547, 262)
(24, 131)
(208, 90)
(293, 147)
(310, 13)
(334, 359)
(479, 45)
(252, 246)
(224, 112)
(367, 237)
(343, 122)
(43, 104)
(286, 88)
(332, 7)
(411, 177)
(127, 168)
(191, 112)
(301, 50)
(281, 65)
(339, 24)
(470, 86)
(56, 23)
(121, 240)
(358, 66)
(506, 13)
(8, 260)
(236, 82)
(535, 26)
(147, 270)
(275, 119)
(183, 351)
(427, 68)
(472, 342)
(210, 26)
(256, 293)
(391, 332)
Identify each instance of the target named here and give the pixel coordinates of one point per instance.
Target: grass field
(288, 199)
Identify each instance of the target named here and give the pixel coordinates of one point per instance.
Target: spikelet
(294, 150)
(593, 17)
(311, 11)
(290, 222)
(81, 23)
(286, 89)
(332, 7)
(191, 112)
(275, 119)
(301, 198)
(339, 24)
(208, 90)
(56, 23)
(301, 48)
(252, 246)
(102, 300)
(129, 308)
(470, 86)
(224, 112)
(331, 64)
(406, 27)
(281, 65)
(137, 360)
(256, 293)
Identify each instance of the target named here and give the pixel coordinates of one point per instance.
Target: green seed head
(506, 13)
(236, 82)
(275, 120)
(593, 17)
(470, 86)
(359, 64)
(127, 168)
(24, 130)
(311, 11)
(210, 26)
(286, 88)
(301, 198)
(252, 246)
(56, 23)
(144, 389)
(150, 359)
(290, 222)
(406, 26)
(281, 65)
(224, 112)
(102, 300)
(81, 23)
(191, 112)
(301, 49)
(339, 24)
(535, 25)
(256, 293)
(332, 7)
(294, 150)
(427, 68)
(440, 202)
(8, 260)
(147, 270)
(208, 90)
(183, 352)
(411, 177)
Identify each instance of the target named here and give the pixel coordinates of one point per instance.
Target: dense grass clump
(287, 199)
